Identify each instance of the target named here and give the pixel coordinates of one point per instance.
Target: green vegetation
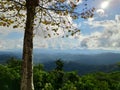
(57, 79)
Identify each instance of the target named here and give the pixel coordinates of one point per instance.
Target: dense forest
(57, 79)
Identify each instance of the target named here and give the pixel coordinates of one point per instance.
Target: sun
(104, 4)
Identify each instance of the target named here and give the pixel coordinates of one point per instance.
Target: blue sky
(100, 32)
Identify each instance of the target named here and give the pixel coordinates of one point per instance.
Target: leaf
(73, 5)
(15, 26)
(4, 24)
(74, 17)
(49, 35)
(66, 35)
(55, 30)
(46, 22)
(52, 23)
(45, 36)
(69, 30)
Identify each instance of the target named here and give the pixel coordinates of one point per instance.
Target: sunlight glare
(104, 4)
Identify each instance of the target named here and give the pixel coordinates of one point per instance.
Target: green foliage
(57, 79)
(69, 86)
(118, 64)
(9, 78)
(40, 79)
(14, 63)
(48, 86)
(59, 65)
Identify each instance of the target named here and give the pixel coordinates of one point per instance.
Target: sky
(100, 32)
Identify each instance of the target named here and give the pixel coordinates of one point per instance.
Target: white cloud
(5, 30)
(39, 41)
(7, 43)
(10, 44)
(117, 18)
(55, 43)
(105, 23)
(109, 38)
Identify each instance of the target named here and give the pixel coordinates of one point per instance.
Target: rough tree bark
(27, 67)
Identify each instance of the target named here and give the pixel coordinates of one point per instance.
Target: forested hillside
(57, 78)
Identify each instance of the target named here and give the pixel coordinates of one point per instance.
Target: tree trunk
(27, 65)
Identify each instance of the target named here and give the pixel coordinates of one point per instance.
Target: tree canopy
(53, 17)
(57, 79)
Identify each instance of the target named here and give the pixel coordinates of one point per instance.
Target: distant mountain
(74, 60)
(41, 56)
(82, 68)
(5, 55)
(104, 58)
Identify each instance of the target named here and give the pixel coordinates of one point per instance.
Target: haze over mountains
(83, 61)
(90, 57)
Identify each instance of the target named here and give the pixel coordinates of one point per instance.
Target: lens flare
(104, 4)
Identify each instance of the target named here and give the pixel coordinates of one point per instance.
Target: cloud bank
(107, 39)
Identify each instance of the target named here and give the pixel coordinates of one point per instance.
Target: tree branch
(17, 2)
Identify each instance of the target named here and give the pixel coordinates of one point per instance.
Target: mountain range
(85, 61)
(88, 57)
